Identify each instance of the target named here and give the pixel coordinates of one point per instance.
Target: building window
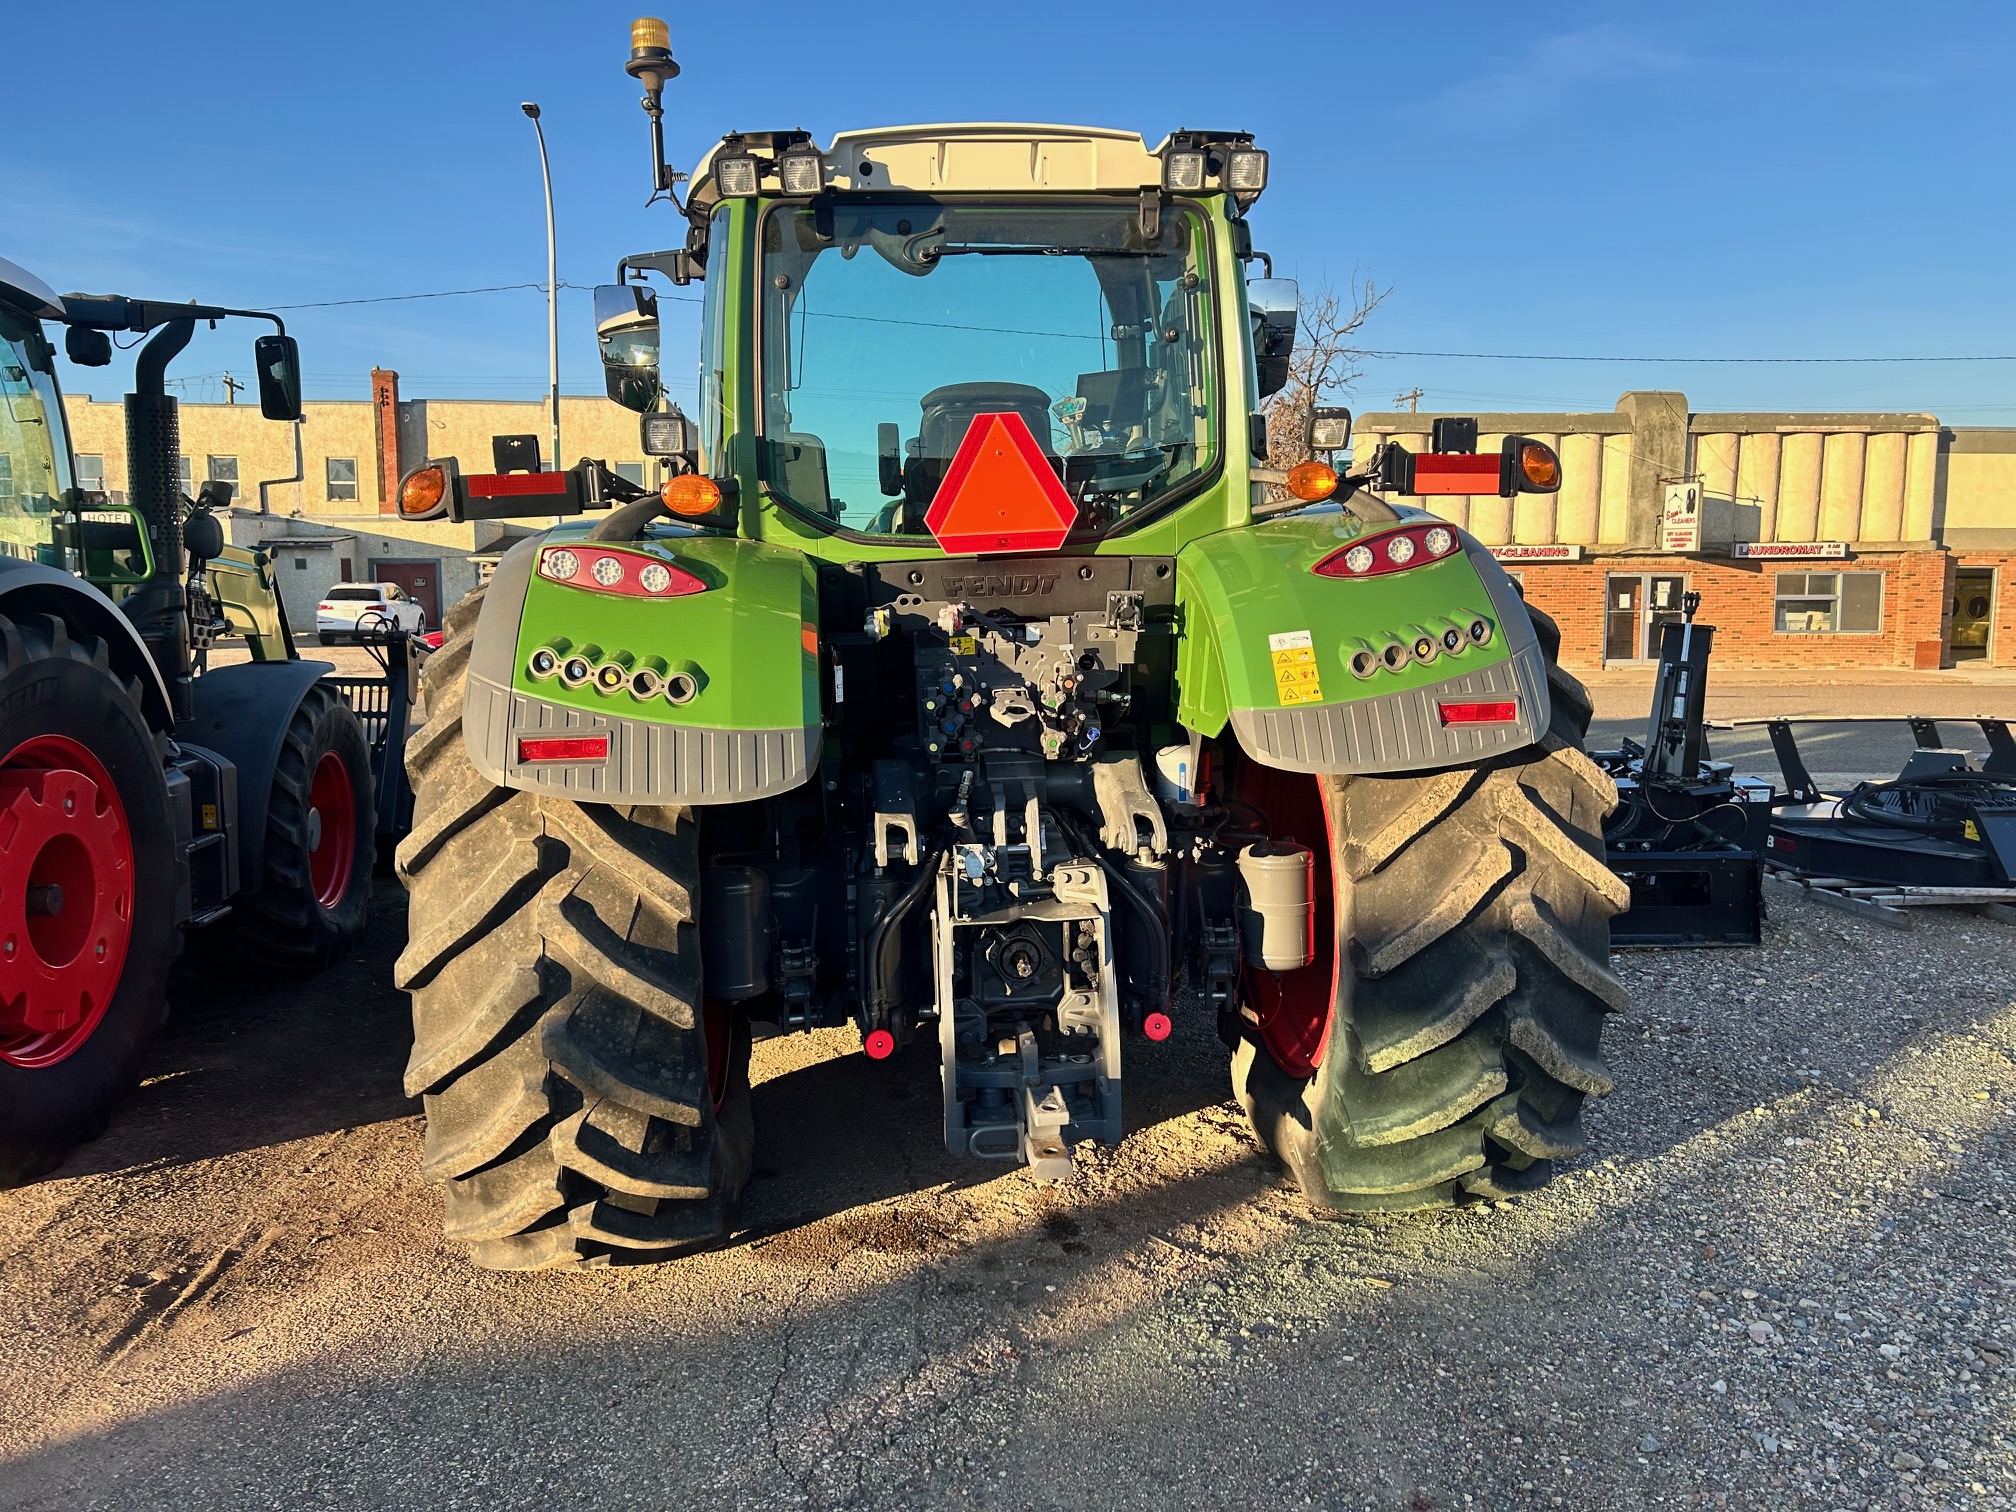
(630, 472)
(1829, 603)
(300, 564)
(224, 470)
(6, 476)
(182, 472)
(342, 475)
(91, 472)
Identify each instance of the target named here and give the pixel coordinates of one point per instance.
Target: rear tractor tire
(314, 897)
(583, 1104)
(87, 891)
(1470, 946)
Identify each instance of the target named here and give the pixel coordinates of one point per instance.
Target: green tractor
(971, 679)
(144, 795)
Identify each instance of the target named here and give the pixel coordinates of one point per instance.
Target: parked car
(349, 607)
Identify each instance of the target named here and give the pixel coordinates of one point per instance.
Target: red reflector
(565, 748)
(1000, 492)
(1455, 473)
(880, 1044)
(511, 485)
(1480, 713)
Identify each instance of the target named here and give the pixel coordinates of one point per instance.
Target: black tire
(56, 684)
(325, 638)
(574, 1113)
(1473, 929)
(310, 907)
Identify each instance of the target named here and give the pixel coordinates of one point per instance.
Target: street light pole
(552, 288)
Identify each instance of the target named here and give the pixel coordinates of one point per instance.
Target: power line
(1538, 357)
(330, 304)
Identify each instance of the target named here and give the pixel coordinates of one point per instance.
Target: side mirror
(626, 335)
(1275, 303)
(278, 359)
(86, 347)
(1329, 430)
(889, 457)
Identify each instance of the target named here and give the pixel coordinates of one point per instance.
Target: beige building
(1816, 539)
(334, 519)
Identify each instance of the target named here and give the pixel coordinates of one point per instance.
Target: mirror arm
(1350, 496)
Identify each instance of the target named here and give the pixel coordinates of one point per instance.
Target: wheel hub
(330, 830)
(65, 926)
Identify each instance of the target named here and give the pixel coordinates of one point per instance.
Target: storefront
(1817, 540)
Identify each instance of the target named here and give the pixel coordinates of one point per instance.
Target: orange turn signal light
(1314, 481)
(421, 492)
(690, 494)
(1540, 466)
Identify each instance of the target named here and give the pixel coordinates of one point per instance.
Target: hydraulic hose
(879, 997)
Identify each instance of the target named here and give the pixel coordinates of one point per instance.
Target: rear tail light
(1414, 546)
(565, 748)
(1504, 711)
(634, 574)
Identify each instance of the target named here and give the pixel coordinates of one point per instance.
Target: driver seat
(948, 414)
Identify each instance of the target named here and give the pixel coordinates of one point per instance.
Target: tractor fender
(242, 713)
(33, 588)
(1268, 647)
(753, 729)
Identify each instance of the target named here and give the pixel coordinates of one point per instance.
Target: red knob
(880, 1044)
(1157, 1027)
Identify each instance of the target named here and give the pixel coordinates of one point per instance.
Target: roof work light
(801, 170)
(736, 174)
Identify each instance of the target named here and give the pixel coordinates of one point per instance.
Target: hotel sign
(1549, 553)
(1790, 551)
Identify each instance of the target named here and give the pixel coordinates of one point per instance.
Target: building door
(1973, 613)
(1635, 606)
(420, 580)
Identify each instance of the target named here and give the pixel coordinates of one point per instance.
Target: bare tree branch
(1326, 358)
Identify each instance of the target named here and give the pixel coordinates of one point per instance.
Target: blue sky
(1713, 180)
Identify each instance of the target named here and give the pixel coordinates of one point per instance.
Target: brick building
(1816, 540)
(333, 518)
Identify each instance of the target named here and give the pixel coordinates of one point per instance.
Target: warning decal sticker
(1295, 680)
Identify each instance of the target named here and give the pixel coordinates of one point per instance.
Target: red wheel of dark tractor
(64, 931)
(332, 829)
(87, 890)
(314, 894)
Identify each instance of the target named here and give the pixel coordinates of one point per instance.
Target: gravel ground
(1782, 1278)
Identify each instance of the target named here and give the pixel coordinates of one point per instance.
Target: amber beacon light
(1314, 481)
(690, 494)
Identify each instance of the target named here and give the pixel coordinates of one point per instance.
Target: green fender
(1267, 647)
(747, 643)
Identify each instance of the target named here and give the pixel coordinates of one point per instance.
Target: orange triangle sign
(1000, 493)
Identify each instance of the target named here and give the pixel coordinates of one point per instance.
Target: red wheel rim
(332, 830)
(1295, 1008)
(66, 898)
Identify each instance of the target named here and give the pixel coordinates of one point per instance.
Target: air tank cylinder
(1277, 920)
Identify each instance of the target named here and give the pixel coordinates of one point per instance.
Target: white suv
(350, 607)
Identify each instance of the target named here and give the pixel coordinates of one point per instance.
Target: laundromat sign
(1791, 551)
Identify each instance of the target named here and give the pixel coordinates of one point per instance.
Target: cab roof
(959, 158)
(21, 288)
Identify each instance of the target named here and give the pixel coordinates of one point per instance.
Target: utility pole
(1412, 399)
(552, 288)
(231, 387)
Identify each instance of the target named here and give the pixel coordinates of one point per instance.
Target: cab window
(34, 452)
